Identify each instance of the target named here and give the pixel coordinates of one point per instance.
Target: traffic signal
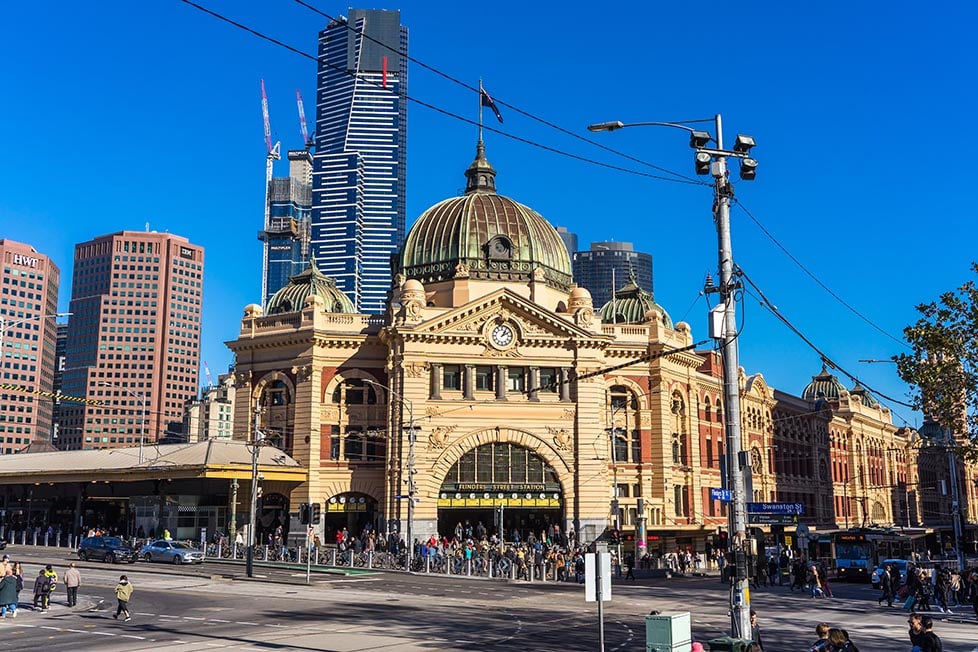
(304, 513)
(724, 541)
(615, 537)
(316, 515)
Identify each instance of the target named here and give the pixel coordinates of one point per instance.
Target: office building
(569, 239)
(133, 338)
(60, 347)
(611, 263)
(28, 332)
(359, 168)
(209, 416)
(286, 240)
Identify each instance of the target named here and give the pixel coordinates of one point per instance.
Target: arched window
(354, 391)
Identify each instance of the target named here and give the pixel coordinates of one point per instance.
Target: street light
(410, 467)
(142, 403)
(723, 326)
(258, 439)
(6, 324)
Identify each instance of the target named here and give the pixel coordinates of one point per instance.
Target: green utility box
(728, 644)
(668, 632)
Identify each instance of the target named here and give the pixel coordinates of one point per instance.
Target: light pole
(257, 440)
(142, 420)
(410, 467)
(723, 327)
(6, 324)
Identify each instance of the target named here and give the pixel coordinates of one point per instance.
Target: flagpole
(480, 109)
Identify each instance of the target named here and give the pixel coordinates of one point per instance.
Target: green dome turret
(824, 385)
(632, 305)
(292, 297)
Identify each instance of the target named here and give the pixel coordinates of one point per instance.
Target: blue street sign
(776, 508)
(724, 495)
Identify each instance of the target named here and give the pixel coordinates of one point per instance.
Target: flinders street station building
(493, 390)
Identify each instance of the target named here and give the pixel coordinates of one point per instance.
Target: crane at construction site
(306, 140)
(274, 154)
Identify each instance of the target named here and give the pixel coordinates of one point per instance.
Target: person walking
(42, 591)
(886, 585)
(8, 594)
(72, 582)
(929, 641)
(822, 644)
(755, 630)
(839, 641)
(123, 593)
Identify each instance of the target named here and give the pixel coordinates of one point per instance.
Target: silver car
(173, 552)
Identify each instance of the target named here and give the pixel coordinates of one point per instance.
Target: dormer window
(500, 248)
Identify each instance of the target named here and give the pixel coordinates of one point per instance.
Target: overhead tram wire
(455, 116)
(513, 108)
(764, 302)
(815, 278)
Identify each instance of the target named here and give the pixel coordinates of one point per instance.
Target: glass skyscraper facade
(360, 164)
(290, 215)
(610, 263)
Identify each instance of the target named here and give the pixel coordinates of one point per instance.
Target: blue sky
(116, 114)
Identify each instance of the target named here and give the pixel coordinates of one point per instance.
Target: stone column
(468, 380)
(564, 384)
(534, 381)
(500, 383)
(435, 381)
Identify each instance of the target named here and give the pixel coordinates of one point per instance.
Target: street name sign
(724, 495)
(776, 508)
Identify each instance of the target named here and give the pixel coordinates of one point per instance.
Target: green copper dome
(484, 235)
(632, 305)
(864, 396)
(292, 297)
(824, 385)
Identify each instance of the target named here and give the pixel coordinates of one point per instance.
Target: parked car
(174, 552)
(899, 564)
(107, 549)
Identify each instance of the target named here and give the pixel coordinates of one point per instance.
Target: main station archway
(500, 487)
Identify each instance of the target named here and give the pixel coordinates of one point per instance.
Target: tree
(942, 369)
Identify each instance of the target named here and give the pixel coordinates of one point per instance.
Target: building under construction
(286, 232)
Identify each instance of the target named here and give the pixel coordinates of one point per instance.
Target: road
(213, 606)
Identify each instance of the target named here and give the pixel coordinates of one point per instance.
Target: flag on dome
(487, 101)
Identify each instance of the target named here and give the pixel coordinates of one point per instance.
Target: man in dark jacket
(929, 641)
(886, 585)
(8, 594)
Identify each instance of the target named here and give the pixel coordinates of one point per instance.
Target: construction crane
(274, 154)
(306, 140)
(207, 370)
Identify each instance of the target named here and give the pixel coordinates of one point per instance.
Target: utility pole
(955, 498)
(723, 327)
(255, 449)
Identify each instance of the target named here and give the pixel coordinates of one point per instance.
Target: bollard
(370, 559)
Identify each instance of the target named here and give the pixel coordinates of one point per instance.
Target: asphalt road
(213, 606)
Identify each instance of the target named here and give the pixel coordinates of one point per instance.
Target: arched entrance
(354, 511)
(500, 487)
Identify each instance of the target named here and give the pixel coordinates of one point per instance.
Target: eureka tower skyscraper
(360, 164)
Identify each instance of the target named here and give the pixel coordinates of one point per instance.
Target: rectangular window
(548, 380)
(515, 379)
(452, 377)
(483, 379)
(709, 454)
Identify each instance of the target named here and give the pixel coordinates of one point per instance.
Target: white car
(174, 552)
(899, 564)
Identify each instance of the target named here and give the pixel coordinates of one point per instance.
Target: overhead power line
(455, 116)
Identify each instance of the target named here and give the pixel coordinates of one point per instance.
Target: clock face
(500, 248)
(502, 335)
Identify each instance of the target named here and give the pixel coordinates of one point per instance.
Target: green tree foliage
(942, 370)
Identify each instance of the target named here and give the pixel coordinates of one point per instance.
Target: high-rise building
(210, 416)
(133, 338)
(569, 239)
(286, 239)
(60, 346)
(360, 165)
(611, 263)
(28, 306)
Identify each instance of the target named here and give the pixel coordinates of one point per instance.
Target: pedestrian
(42, 591)
(72, 582)
(123, 592)
(839, 641)
(52, 575)
(19, 576)
(822, 644)
(886, 586)
(929, 641)
(916, 631)
(814, 581)
(8, 594)
(755, 630)
(630, 565)
(972, 591)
